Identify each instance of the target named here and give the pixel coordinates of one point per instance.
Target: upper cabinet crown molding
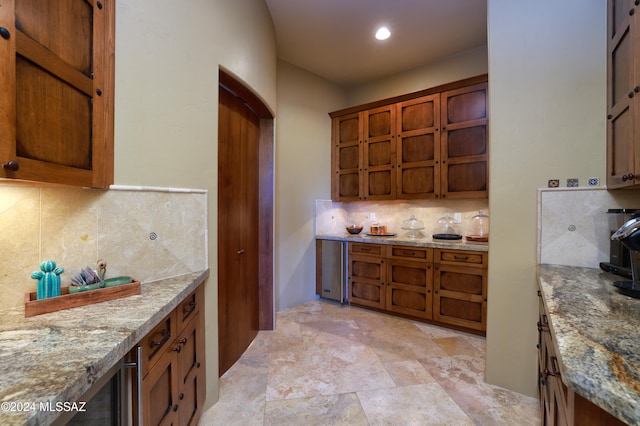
(428, 144)
(57, 92)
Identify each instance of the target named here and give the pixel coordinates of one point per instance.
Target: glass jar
(479, 227)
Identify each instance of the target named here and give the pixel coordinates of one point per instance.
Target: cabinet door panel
(379, 177)
(409, 285)
(349, 157)
(461, 282)
(418, 147)
(346, 158)
(366, 281)
(623, 152)
(464, 142)
(466, 178)
(58, 88)
(54, 118)
(159, 389)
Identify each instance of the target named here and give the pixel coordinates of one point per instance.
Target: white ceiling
(335, 38)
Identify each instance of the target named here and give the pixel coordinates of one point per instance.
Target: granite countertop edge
(39, 357)
(597, 332)
(429, 242)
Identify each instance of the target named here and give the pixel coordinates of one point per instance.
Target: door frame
(266, 313)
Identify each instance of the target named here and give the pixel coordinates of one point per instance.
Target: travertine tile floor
(327, 364)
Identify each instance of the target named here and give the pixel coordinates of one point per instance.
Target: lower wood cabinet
(560, 405)
(448, 287)
(410, 281)
(460, 288)
(367, 275)
(173, 366)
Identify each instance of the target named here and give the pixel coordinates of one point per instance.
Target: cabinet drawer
(461, 257)
(157, 340)
(366, 248)
(189, 307)
(413, 253)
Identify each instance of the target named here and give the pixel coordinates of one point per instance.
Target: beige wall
(464, 65)
(547, 77)
(167, 58)
(303, 166)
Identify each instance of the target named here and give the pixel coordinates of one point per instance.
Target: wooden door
(346, 157)
(238, 230)
(418, 148)
(464, 144)
(622, 94)
(460, 296)
(379, 154)
(56, 108)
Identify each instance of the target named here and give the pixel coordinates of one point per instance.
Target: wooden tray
(32, 306)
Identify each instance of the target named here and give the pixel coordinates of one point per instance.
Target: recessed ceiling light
(383, 33)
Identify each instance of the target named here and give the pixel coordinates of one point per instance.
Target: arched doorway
(245, 219)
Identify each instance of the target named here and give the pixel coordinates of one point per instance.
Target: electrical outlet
(457, 217)
(372, 217)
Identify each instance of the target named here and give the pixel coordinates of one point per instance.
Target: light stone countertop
(400, 239)
(597, 331)
(56, 357)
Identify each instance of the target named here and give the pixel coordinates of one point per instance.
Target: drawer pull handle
(461, 258)
(409, 253)
(165, 337)
(190, 307)
(365, 249)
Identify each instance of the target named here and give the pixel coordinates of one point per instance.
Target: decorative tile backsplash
(332, 217)
(573, 227)
(148, 233)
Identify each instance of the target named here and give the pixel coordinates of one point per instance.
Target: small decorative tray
(478, 238)
(33, 306)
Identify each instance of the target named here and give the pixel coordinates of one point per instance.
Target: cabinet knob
(175, 408)
(630, 94)
(4, 33)
(637, 2)
(609, 116)
(183, 341)
(636, 89)
(628, 177)
(181, 396)
(177, 349)
(631, 12)
(11, 166)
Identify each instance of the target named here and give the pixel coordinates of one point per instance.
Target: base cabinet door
(160, 390)
(367, 280)
(191, 371)
(409, 281)
(460, 288)
(173, 366)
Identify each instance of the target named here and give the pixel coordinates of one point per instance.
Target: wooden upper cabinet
(346, 158)
(428, 144)
(56, 107)
(418, 147)
(623, 85)
(464, 155)
(379, 154)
